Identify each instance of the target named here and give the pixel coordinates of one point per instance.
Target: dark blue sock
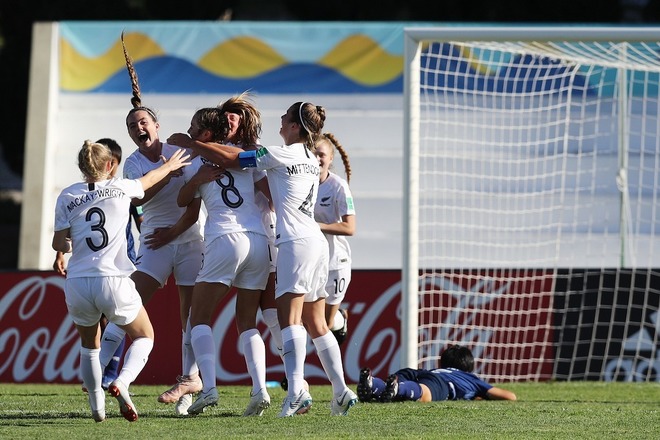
(377, 387)
(112, 369)
(409, 390)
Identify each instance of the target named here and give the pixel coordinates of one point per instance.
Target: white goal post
(532, 200)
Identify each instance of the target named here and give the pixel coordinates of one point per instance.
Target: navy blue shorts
(439, 388)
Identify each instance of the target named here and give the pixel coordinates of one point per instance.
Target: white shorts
(272, 254)
(184, 260)
(302, 268)
(338, 281)
(89, 297)
(239, 259)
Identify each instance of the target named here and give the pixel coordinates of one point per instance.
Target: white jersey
(229, 201)
(96, 214)
(293, 176)
(333, 202)
(162, 210)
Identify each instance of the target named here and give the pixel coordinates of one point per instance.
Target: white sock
(135, 360)
(338, 322)
(110, 340)
(327, 349)
(294, 339)
(92, 374)
(254, 351)
(201, 338)
(187, 354)
(270, 318)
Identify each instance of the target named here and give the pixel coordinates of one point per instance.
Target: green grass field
(543, 410)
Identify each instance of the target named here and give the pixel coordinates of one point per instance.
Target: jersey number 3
(96, 217)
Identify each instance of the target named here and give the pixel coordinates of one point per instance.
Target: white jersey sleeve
(333, 202)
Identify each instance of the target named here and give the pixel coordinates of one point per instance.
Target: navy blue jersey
(447, 383)
(462, 385)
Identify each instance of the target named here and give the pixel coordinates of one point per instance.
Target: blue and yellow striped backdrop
(225, 57)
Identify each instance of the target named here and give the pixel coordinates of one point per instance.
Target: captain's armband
(247, 159)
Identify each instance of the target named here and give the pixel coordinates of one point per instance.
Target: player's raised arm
(225, 156)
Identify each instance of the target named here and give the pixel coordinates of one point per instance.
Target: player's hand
(180, 139)
(59, 265)
(159, 238)
(179, 159)
(208, 173)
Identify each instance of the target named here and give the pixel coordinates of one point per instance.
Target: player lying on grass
(454, 380)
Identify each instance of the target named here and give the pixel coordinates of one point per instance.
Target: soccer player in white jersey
(236, 254)
(244, 120)
(335, 213)
(170, 243)
(112, 369)
(90, 222)
(302, 259)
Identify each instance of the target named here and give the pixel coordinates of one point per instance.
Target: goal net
(531, 213)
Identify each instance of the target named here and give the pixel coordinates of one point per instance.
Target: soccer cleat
(119, 391)
(341, 405)
(258, 403)
(391, 389)
(341, 334)
(365, 386)
(299, 404)
(204, 399)
(184, 385)
(182, 405)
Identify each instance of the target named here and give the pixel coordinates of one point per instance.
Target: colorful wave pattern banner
(229, 57)
(270, 58)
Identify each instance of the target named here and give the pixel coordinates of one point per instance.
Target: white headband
(302, 122)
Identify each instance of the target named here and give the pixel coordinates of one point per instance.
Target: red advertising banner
(39, 343)
(504, 315)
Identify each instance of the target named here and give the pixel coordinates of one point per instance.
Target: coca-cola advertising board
(38, 342)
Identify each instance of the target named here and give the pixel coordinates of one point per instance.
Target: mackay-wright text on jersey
(98, 194)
